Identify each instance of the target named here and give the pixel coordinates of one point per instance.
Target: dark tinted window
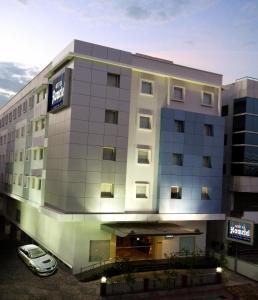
(244, 170)
(245, 138)
(245, 122)
(248, 105)
(224, 110)
(245, 154)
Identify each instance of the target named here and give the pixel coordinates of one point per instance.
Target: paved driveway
(17, 282)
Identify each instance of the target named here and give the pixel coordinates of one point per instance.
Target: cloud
(24, 2)
(160, 10)
(155, 11)
(13, 77)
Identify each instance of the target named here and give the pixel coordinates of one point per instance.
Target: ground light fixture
(103, 286)
(219, 274)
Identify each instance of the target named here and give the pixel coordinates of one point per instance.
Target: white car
(37, 259)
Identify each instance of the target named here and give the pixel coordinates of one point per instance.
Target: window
(21, 155)
(15, 155)
(17, 133)
(111, 116)
(180, 126)
(36, 125)
(142, 190)
(14, 113)
(176, 192)
(178, 93)
(10, 117)
(26, 181)
(206, 162)
(224, 110)
(146, 87)
(207, 98)
(18, 216)
(34, 154)
(24, 106)
(22, 131)
(109, 153)
(44, 94)
(205, 193)
(107, 190)
(33, 183)
(19, 110)
(178, 159)
(38, 98)
(41, 154)
(99, 250)
(42, 123)
(208, 130)
(31, 102)
(14, 178)
(113, 80)
(143, 156)
(187, 244)
(39, 184)
(27, 154)
(13, 135)
(224, 169)
(20, 179)
(225, 139)
(145, 122)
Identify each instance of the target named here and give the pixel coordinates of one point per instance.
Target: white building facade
(103, 140)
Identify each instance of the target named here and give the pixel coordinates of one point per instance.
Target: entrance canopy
(123, 229)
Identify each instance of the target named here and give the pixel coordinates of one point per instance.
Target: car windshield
(36, 252)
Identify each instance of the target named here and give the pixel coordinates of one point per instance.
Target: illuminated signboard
(59, 91)
(239, 230)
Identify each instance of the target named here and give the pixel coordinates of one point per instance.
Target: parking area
(18, 282)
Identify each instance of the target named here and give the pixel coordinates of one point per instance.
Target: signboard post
(239, 231)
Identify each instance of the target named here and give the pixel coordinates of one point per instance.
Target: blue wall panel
(192, 176)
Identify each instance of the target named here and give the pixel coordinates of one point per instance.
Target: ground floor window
(99, 250)
(187, 244)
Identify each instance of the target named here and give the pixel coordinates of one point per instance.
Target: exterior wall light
(103, 279)
(219, 270)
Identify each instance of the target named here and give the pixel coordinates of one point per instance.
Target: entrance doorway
(134, 247)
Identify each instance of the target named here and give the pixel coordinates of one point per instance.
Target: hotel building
(106, 153)
(240, 188)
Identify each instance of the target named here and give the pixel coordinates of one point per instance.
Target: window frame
(152, 87)
(174, 155)
(205, 195)
(117, 81)
(180, 192)
(207, 158)
(139, 122)
(211, 126)
(181, 121)
(147, 190)
(212, 98)
(148, 154)
(113, 111)
(113, 154)
(112, 193)
(173, 93)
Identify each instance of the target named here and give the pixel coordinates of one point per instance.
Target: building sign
(59, 91)
(239, 230)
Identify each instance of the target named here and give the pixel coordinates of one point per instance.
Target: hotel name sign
(59, 91)
(240, 230)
